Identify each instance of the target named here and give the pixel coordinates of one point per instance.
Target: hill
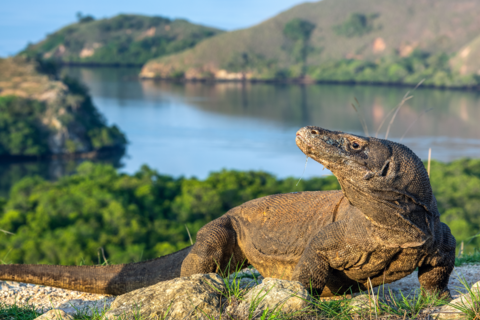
(467, 60)
(43, 116)
(367, 36)
(121, 40)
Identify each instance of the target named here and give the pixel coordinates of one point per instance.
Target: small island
(123, 40)
(44, 117)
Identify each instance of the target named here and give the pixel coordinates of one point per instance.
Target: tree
(299, 31)
(83, 19)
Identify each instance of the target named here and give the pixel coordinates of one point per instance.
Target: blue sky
(26, 21)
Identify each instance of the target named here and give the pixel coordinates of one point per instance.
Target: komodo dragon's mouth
(307, 149)
(303, 140)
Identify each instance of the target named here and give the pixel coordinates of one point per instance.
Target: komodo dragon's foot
(441, 295)
(434, 281)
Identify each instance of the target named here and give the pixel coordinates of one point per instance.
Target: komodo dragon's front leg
(435, 273)
(313, 267)
(339, 245)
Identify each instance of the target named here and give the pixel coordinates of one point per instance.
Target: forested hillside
(145, 215)
(368, 41)
(125, 39)
(44, 116)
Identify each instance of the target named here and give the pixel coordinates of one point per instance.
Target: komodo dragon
(381, 226)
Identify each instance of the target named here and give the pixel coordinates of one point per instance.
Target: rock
(245, 279)
(55, 314)
(361, 302)
(85, 308)
(272, 294)
(468, 300)
(191, 297)
(244, 283)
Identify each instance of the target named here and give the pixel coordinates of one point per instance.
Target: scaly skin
(381, 226)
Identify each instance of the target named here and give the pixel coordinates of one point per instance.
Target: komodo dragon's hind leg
(215, 250)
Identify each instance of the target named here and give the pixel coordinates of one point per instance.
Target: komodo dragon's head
(384, 179)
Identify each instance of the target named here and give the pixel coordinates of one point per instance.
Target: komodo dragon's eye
(355, 145)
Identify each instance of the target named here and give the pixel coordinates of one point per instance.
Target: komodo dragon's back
(380, 227)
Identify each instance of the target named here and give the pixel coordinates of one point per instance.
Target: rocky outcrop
(195, 297)
(50, 117)
(203, 296)
(243, 295)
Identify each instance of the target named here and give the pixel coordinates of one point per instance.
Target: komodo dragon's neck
(385, 180)
(115, 279)
(393, 224)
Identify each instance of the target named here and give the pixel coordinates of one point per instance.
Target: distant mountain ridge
(353, 30)
(121, 40)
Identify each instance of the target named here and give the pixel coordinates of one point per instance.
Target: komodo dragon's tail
(115, 279)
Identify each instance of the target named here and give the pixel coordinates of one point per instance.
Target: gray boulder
(362, 302)
(55, 314)
(273, 296)
(191, 297)
(470, 300)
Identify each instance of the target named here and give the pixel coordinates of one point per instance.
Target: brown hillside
(395, 26)
(467, 60)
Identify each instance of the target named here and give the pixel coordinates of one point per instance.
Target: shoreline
(293, 81)
(311, 82)
(94, 154)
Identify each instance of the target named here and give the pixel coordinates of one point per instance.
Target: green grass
(470, 306)
(8, 312)
(473, 258)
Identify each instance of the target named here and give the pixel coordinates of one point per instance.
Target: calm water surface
(194, 128)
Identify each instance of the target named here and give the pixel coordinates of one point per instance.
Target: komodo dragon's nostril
(314, 132)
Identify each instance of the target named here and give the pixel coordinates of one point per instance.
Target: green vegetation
(393, 69)
(246, 63)
(87, 115)
(356, 25)
(456, 187)
(83, 19)
(20, 128)
(140, 216)
(299, 31)
(17, 312)
(121, 40)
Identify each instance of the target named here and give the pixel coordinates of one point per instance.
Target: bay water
(194, 128)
